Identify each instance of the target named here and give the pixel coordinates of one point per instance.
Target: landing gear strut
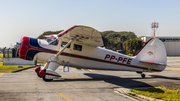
(48, 71)
(142, 74)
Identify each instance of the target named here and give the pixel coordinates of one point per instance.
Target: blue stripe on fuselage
(34, 42)
(32, 52)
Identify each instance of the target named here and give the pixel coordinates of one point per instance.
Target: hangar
(172, 44)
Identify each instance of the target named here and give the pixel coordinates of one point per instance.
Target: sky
(31, 18)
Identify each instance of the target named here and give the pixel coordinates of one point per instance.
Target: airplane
(80, 47)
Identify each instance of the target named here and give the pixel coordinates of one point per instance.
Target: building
(172, 44)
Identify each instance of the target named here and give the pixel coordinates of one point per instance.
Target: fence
(11, 57)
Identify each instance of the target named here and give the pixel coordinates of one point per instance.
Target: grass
(159, 93)
(132, 94)
(6, 55)
(11, 68)
(39, 61)
(1, 57)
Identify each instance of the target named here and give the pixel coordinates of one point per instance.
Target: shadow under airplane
(116, 80)
(165, 77)
(129, 82)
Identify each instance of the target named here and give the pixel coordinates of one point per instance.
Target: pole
(154, 34)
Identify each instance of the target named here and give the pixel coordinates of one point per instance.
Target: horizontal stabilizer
(153, 63)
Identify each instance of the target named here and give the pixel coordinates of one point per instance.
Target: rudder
(153, 51)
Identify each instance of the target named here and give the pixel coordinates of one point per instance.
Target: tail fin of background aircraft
(153, 52)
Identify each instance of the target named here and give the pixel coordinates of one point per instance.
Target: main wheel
(143, 75)
(47, 80)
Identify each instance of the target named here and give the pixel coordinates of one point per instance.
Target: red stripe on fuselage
(111, 62)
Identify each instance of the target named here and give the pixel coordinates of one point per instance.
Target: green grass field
(1, 57)
(6, 55)
(159, 93)
(11, 68)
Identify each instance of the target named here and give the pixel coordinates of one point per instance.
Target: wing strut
(48, 73)
(55, 58)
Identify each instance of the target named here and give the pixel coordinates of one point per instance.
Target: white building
(172, 44)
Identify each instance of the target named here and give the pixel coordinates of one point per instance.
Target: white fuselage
(95, 58)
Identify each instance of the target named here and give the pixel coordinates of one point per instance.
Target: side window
(64, 43)
(77, 47)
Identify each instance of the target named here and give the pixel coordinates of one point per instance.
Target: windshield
(52, 41)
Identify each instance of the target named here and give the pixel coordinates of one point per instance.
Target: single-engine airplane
(79, 46)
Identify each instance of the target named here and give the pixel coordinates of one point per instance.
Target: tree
(133, 45)
(114, 40)
(125, 41)
(48, 33)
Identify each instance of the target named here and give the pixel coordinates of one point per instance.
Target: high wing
(82, 34)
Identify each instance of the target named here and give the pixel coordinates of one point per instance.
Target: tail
(153, 52)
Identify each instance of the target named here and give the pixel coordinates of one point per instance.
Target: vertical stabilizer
(153, 51)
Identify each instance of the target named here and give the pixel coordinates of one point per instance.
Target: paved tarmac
(82, 85)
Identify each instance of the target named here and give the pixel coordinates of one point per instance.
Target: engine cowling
(30, 47)
(27, 50)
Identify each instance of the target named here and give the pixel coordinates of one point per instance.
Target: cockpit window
(52, 41)
(64, 43)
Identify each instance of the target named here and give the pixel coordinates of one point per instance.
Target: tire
(39, 75)
(143, 75)
(47, 80)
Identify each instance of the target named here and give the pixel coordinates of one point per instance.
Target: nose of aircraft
(24, 47)
(30, 47)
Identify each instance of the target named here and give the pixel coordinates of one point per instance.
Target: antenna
(154, 26)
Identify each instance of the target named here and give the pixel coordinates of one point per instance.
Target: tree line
(126, 42)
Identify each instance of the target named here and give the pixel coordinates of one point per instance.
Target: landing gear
(38, 75)
(142, 75)
(37, 69)
(48, 72)
(47, 80)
